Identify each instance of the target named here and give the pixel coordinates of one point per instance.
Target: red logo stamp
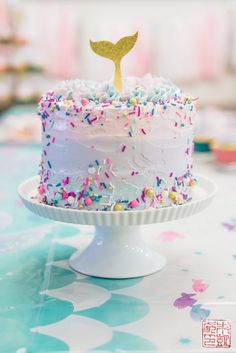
(216, 333)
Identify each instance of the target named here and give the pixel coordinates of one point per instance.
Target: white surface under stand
(118, 249)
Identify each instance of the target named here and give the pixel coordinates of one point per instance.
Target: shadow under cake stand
(118, 249)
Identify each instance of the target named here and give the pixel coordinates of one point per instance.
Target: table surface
(46, 307)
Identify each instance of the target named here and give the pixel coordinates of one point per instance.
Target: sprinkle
(72, 124)
(133, 101)
(123, 148)
(131, 113)
(71, 199)
(86, 116)
(171, 174)
(177, 113)
(84, 101)
(94, 119)
(139, 110)
(107, 175)
(53, 139)
(88, 201)
(118, 207)
(45, 153)
(49, 164)
(48, 136)
(96, 161)
(143, 131)
(104, 185)
(130, 133)
(134, 203)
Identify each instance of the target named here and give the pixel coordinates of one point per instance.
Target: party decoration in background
(115, 52)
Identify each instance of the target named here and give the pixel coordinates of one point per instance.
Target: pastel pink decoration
(84, 101)
(171, 236)
(65, 181)
(41, 190)
(199, 285)
(64, 195)
(88, 201)
(134, 204)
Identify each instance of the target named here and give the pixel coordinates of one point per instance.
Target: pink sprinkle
(84, 101)
(72, 124)
(132, 173)
(41, 189)
(176, 124)
(134, 204)
(143, 195)
(64, 195)
(105, 105)
(123, 148)
(139, 110)
(143, 131)
(131, 113)
(126, 124)
(65, 181)
(171, 174)
(94, 119)
(108, 161)
(53, 139)
(177, 113)
(107, 175)
(88, 201)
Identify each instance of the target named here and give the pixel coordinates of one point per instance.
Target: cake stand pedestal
(118, 249)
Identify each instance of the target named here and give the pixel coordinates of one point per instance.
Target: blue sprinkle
(49, 164)
(86, 116)
(96, 161)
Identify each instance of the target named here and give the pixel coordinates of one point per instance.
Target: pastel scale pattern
(50, 308)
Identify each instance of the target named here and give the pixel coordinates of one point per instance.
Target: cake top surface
(146, 100)
(144, 89)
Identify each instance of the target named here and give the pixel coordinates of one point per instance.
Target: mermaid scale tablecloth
(46, 307)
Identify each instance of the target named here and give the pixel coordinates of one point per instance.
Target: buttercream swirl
(145, 89)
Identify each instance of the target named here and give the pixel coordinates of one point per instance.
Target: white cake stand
(118, 249)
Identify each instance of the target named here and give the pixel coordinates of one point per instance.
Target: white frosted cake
(109, 151)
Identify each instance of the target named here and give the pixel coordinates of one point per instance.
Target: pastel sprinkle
(88, 201)
(143, 131)
(123, 148)
(84, 101)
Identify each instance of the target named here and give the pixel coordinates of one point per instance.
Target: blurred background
(191, 42)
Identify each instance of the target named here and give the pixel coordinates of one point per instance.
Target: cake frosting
(109, 151)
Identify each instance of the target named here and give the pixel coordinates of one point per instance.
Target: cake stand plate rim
(110, 218)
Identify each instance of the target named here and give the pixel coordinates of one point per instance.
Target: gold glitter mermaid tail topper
(115, 52)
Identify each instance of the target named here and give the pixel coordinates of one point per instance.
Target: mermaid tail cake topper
(115, 52)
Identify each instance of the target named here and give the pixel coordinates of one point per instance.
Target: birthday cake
(107, 150)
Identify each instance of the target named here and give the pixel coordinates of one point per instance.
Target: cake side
(106, 151)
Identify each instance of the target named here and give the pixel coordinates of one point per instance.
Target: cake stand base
(117, 252)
